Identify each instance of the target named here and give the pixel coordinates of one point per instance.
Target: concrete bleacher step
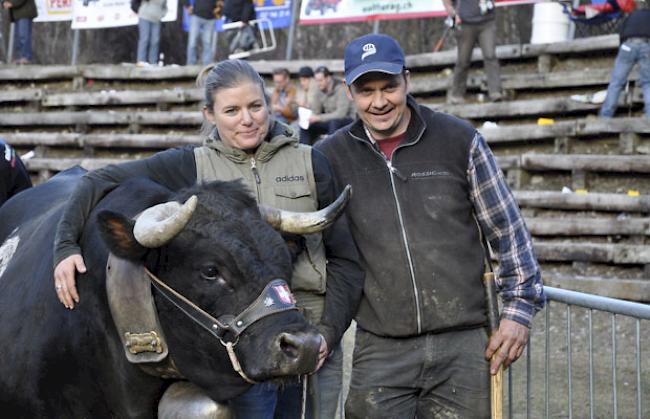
(621, 254)
(607, 202)
(588, 226)
(124, 97)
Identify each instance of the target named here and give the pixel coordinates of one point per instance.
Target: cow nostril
(290, 344)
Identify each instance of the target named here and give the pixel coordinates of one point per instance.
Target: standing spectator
(335, 107)
(202, 21)
(308, 93)
(283, 97)
(150, 14)
(474, 21)
(22, 13)
(13, 175)
(426, 190)
(240, 11)
(635, 48)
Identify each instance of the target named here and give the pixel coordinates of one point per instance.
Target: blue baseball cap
(372, 53)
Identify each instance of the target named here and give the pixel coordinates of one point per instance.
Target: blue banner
(277, 11)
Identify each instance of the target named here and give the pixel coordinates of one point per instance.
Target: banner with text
(53, 10)
(314, 12)
(95, 14)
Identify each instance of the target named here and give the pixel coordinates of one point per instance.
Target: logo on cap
(368, 49)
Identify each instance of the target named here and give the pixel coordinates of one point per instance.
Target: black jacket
(413, 223)
(202, 8)
(239, 10)
(22, 9)
(637, 24)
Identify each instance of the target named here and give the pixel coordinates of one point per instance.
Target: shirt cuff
(520, 311)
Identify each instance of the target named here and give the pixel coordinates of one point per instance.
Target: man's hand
(507, 343)
(314, 118)
(323, 352)
(64, 279)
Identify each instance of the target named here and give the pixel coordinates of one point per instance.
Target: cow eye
(210, 272)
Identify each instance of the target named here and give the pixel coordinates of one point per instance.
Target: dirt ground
(558, 372)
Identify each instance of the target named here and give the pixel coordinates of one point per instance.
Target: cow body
(56, 362)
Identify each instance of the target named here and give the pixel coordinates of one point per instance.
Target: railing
(596, 380)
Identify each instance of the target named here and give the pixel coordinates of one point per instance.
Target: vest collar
(280, 135)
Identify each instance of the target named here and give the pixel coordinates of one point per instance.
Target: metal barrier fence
(584, 361)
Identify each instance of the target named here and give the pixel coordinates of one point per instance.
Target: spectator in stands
(150, 14)
(203, 15)
(13, 175)
(240, 11)
(426, 190)
(334, 111)
(308, 93)
(22, 13)
(283, 98)
(635, 48)
(474, 21)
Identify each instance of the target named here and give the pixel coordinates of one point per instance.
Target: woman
(244, 143)
(150, 13)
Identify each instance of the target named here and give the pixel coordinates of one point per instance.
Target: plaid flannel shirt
(518, 277)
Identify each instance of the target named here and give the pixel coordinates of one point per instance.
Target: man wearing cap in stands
(427, 189)
(308, 93)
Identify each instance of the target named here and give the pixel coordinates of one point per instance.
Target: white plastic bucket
(550, 24)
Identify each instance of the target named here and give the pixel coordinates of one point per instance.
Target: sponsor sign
(95, 14)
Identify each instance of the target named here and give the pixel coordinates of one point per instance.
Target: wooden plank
(528, 132)
(191, 118)
(21, 95)
(592, 252)
(586, 162)
(580, 45)
(624, 288)
(640, 125)
(131, 72)
(155, 141)
(58, 165)
(549, 106)
(583, 202)
(585, 226)
(38, 72)
(124, 97)
(64, 118)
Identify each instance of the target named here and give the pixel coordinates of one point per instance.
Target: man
(308, 93)
(635, 48)
(335, 107)
(423, 183)
(474, 21)
(202, 21)
(283, 98)
(13, 175)
(22, 13)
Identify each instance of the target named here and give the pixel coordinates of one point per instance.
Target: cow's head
(221, 255)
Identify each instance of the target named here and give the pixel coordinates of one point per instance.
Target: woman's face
(240, 115)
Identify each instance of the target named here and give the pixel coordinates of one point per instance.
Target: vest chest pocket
(294, 197)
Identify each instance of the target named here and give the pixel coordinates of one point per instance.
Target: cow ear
(117, 232)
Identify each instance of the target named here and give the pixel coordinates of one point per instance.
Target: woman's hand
(323, 353)
(64, 279)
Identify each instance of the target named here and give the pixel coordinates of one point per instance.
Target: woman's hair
(225, 75)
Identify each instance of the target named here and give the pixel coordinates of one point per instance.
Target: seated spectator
(13, 175)
(283, 97)
(335, 109)
(203, 15)
(635, 48)
(308, 94)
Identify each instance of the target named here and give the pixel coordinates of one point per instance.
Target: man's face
(323, 81)
(304, 82)
(380, 100)
(280, 81)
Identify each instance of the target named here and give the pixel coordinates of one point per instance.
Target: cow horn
(159, 224)
(306, 222)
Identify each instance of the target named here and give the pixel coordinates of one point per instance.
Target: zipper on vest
(394, 172)
(256, 174)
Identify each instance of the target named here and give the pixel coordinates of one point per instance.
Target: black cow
(56, 362)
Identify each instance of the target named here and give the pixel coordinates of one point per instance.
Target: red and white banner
(53, 10)
(313, 12)
(97, 14)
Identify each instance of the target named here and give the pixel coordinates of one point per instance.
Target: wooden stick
(496, 381)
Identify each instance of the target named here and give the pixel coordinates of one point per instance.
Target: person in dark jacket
(22, 13)
(635, 48)
(244, 143)
(426, 189)
(240, 11)
(203, 15)
(13, 175)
